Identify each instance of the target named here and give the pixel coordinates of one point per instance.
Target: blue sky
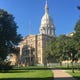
(28, 14)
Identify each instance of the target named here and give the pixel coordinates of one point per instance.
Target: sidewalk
(62, 75)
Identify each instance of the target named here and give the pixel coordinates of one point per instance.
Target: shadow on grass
(16, 71)
(67, 78)
(77, 78)
(27, 78)
(49, 78)
(32, 69)
(24, 70)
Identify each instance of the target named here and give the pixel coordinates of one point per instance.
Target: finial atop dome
(46, 7)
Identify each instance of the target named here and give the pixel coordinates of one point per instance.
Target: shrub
(5, 66)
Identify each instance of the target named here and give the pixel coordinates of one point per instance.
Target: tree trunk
(60, 63)
(72, 67)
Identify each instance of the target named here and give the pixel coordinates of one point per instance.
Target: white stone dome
(46, 21)
(47, 26)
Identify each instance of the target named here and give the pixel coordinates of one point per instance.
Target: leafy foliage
(8, 33)
(76, 37)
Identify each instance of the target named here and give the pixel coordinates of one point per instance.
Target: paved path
(62, 75)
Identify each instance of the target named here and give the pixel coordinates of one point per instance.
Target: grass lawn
(76, 75)
(32, 73)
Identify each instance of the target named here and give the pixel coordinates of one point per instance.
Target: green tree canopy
(8, 33)
(76, 37)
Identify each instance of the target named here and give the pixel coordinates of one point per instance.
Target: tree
(61, 48)
(56, 49)
(76, 37)
(48, 53)
(71, 50)
(8, 33)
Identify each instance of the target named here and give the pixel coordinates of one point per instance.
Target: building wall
(28, 50)
(36, 42)
(39, 49)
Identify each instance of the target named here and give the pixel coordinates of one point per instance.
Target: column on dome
(50, 31)
(47, 30)
(54, 32)
(43, 30)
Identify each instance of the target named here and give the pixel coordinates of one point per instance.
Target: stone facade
(32, 49)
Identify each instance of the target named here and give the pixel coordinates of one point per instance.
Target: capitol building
(32, 47)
